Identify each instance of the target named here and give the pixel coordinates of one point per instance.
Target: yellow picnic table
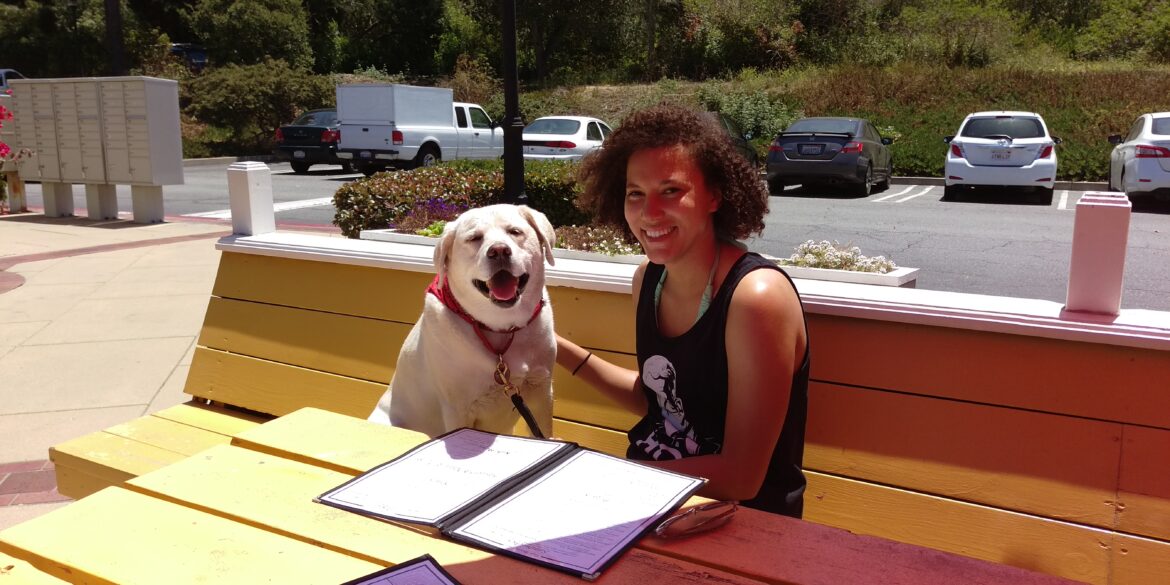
(244, 513)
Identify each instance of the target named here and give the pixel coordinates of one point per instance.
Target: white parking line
(277, 208)
(924, 192)
(902, 192)
(1063, 205)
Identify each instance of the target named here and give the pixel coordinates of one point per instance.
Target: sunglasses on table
(698, 519)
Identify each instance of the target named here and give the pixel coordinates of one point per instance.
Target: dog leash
(442, 291)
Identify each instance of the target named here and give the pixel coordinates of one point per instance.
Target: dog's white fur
(445, 375)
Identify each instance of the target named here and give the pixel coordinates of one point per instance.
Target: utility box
(122, 130)
(100, 132)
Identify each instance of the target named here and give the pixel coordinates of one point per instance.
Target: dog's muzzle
(503, 289)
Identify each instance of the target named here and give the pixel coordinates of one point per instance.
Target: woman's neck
(692, 271)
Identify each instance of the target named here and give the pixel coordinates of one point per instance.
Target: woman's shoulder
(765, 287)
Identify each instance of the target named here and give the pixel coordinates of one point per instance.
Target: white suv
(1011, 149)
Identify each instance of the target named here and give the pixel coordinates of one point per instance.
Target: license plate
(298, 154)
(1001, 154)
(811, 149)
(364, 154)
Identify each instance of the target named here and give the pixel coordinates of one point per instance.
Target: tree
(393, 35)
(247, 33)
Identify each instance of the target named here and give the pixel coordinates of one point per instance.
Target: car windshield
(830, 126)
(998, 126)
(1160, 126)
(325, 118)
(547, 126)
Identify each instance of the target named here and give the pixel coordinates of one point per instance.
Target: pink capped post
(1097, 267)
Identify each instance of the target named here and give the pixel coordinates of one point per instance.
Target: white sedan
(1140, 161)
(1001, 149)
(563, 137)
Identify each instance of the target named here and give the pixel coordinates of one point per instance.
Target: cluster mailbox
(100, 132)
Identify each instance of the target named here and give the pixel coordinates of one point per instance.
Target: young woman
(722, 380)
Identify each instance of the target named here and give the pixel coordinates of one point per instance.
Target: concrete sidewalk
(98, 322)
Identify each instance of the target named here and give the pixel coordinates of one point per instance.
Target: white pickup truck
(405, 126)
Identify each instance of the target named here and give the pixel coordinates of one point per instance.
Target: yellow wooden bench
(1015, 442)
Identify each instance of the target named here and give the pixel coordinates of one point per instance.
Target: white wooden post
(1097, 267)
(250, 191)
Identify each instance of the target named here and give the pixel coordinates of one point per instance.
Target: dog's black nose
(499, 250)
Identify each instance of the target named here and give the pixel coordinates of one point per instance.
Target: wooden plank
(577, 401)
(1145, 483)
(1115, 383)
(276, 495)
(213, 418)
(77, 484)
(1140, 561)
(1029, 542)
(604, 440)
(118, 536)
(108, 458)
(355, 347)
(594, 318)
(1053, 466)
(168, 434)
(14, 571)
(275, 388)
(391, 295)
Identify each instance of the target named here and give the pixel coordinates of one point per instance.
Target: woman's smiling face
(668, 204)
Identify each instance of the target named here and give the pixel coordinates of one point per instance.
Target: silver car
(1140, 161)
(563, 137)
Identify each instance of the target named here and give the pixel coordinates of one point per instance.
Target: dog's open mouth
(503, 289)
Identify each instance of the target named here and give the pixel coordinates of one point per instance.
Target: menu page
(582, 513)
(441, 476)
(419, 571)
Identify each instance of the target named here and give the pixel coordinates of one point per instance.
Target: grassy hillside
(917, 105)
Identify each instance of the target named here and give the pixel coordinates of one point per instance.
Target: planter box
(395, 236)
(903, 277)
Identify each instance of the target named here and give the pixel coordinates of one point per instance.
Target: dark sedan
(830, 151)
(310, 140)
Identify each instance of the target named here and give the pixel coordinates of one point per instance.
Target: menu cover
(548, 502)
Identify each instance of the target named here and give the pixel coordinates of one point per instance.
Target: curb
(222, 160)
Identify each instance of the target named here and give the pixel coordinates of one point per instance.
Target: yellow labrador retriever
(486, 330)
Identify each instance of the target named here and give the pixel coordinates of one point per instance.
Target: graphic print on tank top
(673, 436)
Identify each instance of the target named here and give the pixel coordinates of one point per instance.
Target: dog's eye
(515, 231)
(475, 237)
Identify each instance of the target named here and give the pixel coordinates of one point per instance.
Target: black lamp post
(114, 37)
(512, 123)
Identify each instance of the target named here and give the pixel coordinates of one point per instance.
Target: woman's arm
(620, 384)
(765, 339)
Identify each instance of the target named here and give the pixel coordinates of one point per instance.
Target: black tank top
(684, 379)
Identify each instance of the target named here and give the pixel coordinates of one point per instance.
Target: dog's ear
(443, 248)
(544, 230)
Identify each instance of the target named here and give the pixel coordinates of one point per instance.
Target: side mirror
(1056, 140)
(1115, 139)
(948, 139)
(887, 141)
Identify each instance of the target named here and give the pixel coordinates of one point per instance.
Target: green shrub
(414, 200)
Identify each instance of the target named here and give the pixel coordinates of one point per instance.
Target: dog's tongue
(503, 286)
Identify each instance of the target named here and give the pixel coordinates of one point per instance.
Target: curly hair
(744, 199)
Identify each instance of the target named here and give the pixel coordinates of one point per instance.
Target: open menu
(552, 503)
(423, 570)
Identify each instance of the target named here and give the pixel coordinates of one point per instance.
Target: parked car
(835, 151)
(1006, 149)
(738, 138)
(5, 75)
(563, 137)
(310, 139)
(1140, 161)
(193, 56)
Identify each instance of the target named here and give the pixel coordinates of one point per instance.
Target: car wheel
(367, 169)
(866, 186)
(950, 193)
(1042, 196)
(299, 168)
(428, 156)
(775, 186)
(347, 167)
